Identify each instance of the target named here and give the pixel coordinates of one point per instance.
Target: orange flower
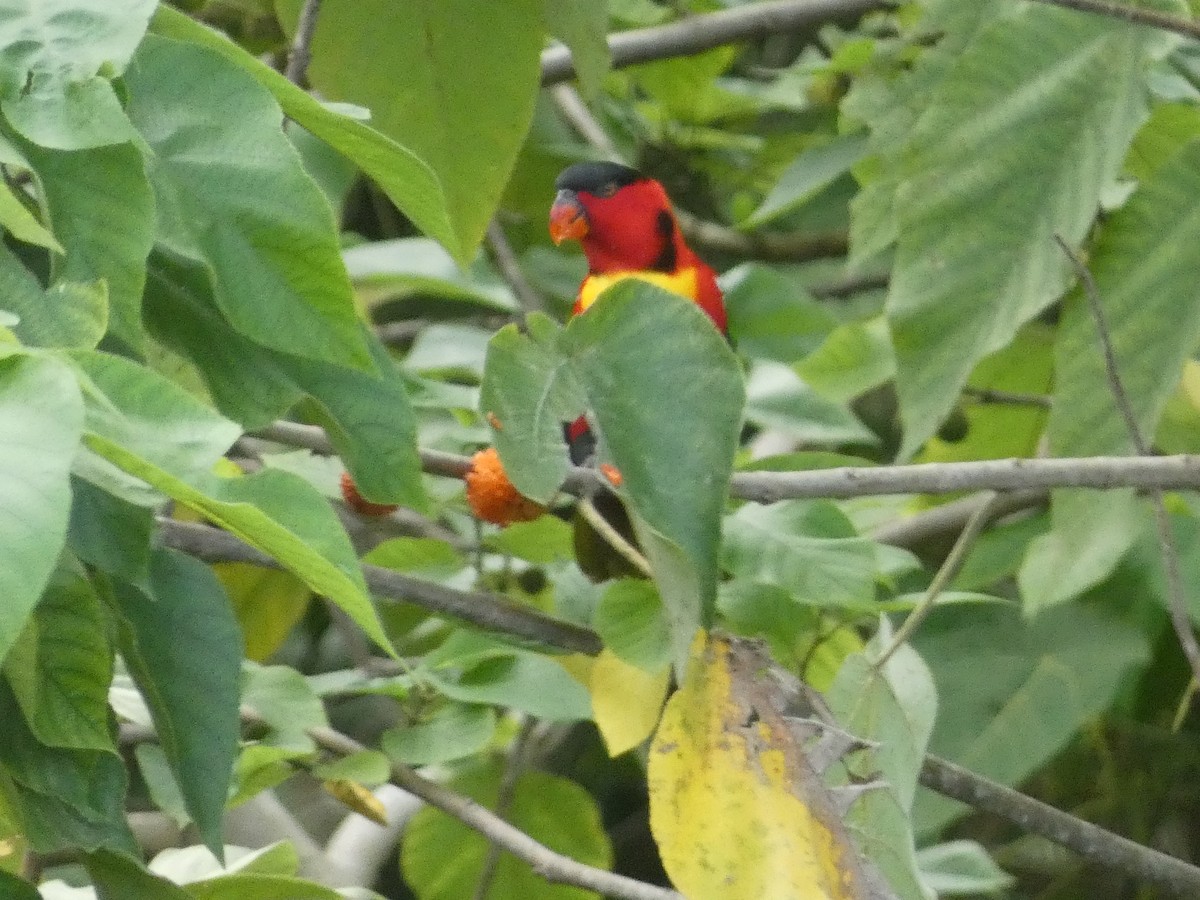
(492, 496)
(359, 504)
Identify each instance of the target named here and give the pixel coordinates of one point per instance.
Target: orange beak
(568, 218)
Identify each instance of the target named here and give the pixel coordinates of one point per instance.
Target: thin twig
(1176, 599)
(554, 867)
(510, 269)
(1012, 398)
(492, 612)
(1138, 15)
(945, 574)
(1180, 472)
(575, 111)
(301, 53)
(696, 34)
(1092, 842)
(951, 518)
(514, 767)
(614, 538)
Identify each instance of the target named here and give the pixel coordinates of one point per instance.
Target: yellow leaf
(626, 701)
(356, 797)
(736, 810)
(267, 602)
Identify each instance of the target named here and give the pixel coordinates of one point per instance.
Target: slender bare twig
(1013, 398)
(699, 33)
(1092, 842)
(510, 269)
(576, 112)
(1138, 15)
(951, 518)
(552, 866)
(489, 611)
(301, 53)
(1181, 472)
(945, 574)
(1176, 600)
(514, 767)
(848, 287)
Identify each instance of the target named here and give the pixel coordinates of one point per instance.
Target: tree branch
(506, 261)
(1180, 472)
(492, 612)
(554, 867)
(1137, 15)
(1176, 601)
(1090, 841)
(699, 33)
(301, 54)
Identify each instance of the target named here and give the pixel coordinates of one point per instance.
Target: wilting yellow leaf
(267, 602)
(356, 797)
(626, 701)
(736, 810)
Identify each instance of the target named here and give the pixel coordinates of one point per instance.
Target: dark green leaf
(230, 190)
(108, 533)
(14, 888)
(812, 170)
(771, 317)
(120, 877)
(184, 650)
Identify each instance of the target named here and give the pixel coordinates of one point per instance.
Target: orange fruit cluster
(492, 496)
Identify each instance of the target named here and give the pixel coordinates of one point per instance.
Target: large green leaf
(67, 315)
(61, 667)
(230, 190)
(556, 812)
(408, 70)
(41, 414)
(108, 533)
(368, 416)
(583, 26)
(1145, 265)
(1023, 134)
(51, 52)
(118, 876)
(667, 394)
(63, 798)
(1013, 691)
(404, 177)
(101, 209)
(184, 649)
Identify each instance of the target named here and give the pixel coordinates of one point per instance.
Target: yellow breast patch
(682, 283)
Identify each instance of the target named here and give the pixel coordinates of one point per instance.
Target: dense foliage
(193, 625)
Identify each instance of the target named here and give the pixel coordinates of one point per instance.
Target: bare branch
(301, 54)
(1138, 15)
(1090, 841)
(699, 33)
(510, 269)
(1176, 600)
(952, 517)
(1012, 398)
(492, 612)
(554, 867)
(1181, 472)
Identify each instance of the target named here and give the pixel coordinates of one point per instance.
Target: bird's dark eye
(607, 190)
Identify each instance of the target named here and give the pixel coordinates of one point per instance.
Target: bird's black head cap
(592, 176)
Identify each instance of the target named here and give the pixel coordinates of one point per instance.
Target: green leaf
(1033, 119)
(813, 170)
(108, 533)
(777, 398)
(543, 541)
(260, 887)
(553, 811)
(284, 700)
(1144, 265)
(21, 223)
(454, 731)
(529, 392)
(42, 413)
(62, 798)
(770, 316)
(66, 315)
(667, 394)
(583, 26)
(529, 682)
(120, 877)
(387, 270)
(1013, 691)
(50, 54)
(407, 180)
(14, 888)
(184, 649)
(631, 621)
(101, 208)
(961, 867)
(61, 666)
(806, 547)
(361, 51)
(230, 190)
(895, 707)
(853, 358)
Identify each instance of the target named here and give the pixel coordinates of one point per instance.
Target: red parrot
(624, 222)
